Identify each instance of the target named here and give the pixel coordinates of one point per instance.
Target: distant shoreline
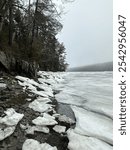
(107, 66)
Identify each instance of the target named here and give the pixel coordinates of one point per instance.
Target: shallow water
(90, 96)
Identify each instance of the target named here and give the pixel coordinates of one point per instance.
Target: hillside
(107, 66)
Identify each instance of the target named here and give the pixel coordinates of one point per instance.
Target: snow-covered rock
(77, 142)
(59, 129)
(31, 144)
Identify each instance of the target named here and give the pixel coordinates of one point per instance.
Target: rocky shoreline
(13, 95)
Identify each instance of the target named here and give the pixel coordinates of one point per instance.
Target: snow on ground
(59, 129)
(77, 142)
(91, 124)
(9, 122)
(31, 144)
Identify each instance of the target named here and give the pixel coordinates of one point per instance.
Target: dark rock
(13, 65)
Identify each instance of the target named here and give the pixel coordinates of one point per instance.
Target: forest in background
(28, 31)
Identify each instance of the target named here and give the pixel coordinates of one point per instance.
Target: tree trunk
(34, 23)
(10, 23)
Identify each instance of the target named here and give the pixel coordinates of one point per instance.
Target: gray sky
(87, 32)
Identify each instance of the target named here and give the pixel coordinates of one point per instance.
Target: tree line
(28, 30)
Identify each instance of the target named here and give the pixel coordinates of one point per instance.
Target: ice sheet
(80, 142)
(91, 124)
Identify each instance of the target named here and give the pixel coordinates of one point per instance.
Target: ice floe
(9, 122)
(77, 142)
(31, 144)
(59, 129)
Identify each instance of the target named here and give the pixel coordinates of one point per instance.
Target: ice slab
(2, 85)
(31, 129)
(40, 105)
(64, 118)
(77, 142)
(11, 118)
(31, 144)
(59, 129)
(4, 133)
(8, 123)
(44, 121)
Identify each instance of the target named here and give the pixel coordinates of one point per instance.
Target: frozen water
(2, 85)
(44, 121)
(40, 106)
(64, 118)
(59, 129)
(8, 123)
(77, 142)
(90, 97)
(92, 124)
(31, 144)
(11, 118)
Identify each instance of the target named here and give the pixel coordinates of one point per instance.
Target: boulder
(10, 64)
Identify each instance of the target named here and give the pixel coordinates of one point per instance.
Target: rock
(8, 63)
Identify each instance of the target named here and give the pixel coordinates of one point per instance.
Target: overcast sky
(87, 32)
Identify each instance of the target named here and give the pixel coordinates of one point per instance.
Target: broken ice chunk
(59, 129)
(31, 144)
(43, 121)
(11, 118)
(8, 123)
(64, 118)
(6, 132)
(39, 106)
